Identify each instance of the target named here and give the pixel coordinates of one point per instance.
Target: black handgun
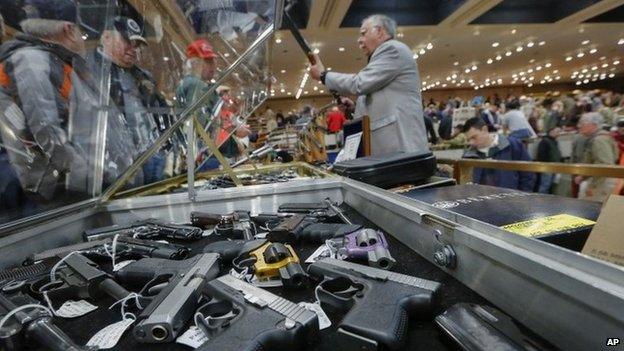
(30, 324)
(180, 284)
(236, 225)
(81, 278)
(379, 302)
(482, 328)
(241, 316)
(127, 248)
(228, 250)
(146, 229)
(302, 228)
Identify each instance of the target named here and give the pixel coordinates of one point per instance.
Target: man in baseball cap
(128, 28)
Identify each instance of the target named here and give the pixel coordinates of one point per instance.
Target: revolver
(378, 303)
(273, 260)
(236, 225)
(366, 244)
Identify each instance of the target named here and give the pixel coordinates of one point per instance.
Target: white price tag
(269, 283)
(72, 309)
(109, 336)
(193, 337)
(323, 320)
(320, 253)
(121, 265)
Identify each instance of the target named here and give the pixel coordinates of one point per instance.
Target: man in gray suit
(388, 89)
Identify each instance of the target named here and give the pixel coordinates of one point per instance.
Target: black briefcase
(390, 170)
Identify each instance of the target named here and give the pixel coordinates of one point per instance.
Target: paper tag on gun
(193, 337)
(322, 252)
(121, 265)
(323, 320)
(109, 336)
(72, 309)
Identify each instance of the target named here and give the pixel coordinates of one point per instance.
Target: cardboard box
(606, 240)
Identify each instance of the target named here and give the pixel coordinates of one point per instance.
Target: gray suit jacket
(388, 91)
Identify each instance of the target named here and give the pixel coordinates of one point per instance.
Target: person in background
(485, 145)
(515, 122)
(271, 123)
(459, 138)
(335, 119)
(548, 151)
(388, 89)
(618, 135)
(491, 118)
(431, 134)
(305, 116)
(279, 118)
(445, 129)
(600, 148)
(554, 116)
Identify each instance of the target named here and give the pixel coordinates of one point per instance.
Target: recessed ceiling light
(616, 62)
(581, 75)
(580, 54)
(538, 68)
(305, 92)
(448, 78)
(593, 51)
(316, 51)
(341, 49)
(513, 31)
(556, 71)
(467, 70)
(329, 68)
(429, 46)
(584, 70)
(415, 56)
(542, 43)
(474, 67)
(470, 81)
(532, 60)
(585, 81)
(611, 75)
(400, 35)
(542, 81)
(557, 77)
(476, 88)
(578, 82)
(489, 61)
(530, 85)
(621, 41)
(605, 65)
(602, 58)
(530, 44)
(519, 48)
(321, 91)
(422, 51)
(282, 90)
(530, 70)
(444, 85)
(315, 88)
(548, 64)
(462, 81)
(454, 76)
(278, 40)
(585, 42)
(283, 71)
(594, 68)
(495, 44)
(514, 76)
(456, 63)
(569, 58)
(508, 53)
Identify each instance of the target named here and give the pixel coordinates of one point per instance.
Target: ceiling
(465, 43)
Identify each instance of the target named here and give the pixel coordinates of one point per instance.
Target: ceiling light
(422, 51)
(462, 81)
(508, 53)
(542, 81)
(341, 49)
(538, 68)
(278, 40)
(556, 71)
(548, 64)
(557, 77)
(289, 93)
(316, 51)
(400, 35)
(519, 48)
(611, 75)
(514, 76)
(530, 44)
(585, 42)
(522, 73)
(530, 85)
(489, 61)
(476, 88)
(584, 70)
(586, 81)
(513, 31)
(454, 75)
(470, 81)
(569, 58)
(594, 68)
(283, 71)
(616, 62)
(227, 54)
(578, 82)
(315, 88)
(593, 51)
(429, 46)
(329, 68)
(415, 57)
(321, 91)
(621, 41)
(581, 75)
(542, 43)
(605, 65)
(474, 67)
(532, 60)
(531, 78)
(467, 70)
(444, 85)
(498, 57)
(580, 54)
(530, 70)
(165, 58)
(272, 94)
(282, 90)
(495, 44)
(456, 63)
(305, 92)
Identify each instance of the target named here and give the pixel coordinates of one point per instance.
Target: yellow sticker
(547, 225)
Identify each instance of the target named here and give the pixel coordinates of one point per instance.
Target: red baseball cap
(200, 48)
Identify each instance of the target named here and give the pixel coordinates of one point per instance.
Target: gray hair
(383, 21)
(593, 117)
(42, 28)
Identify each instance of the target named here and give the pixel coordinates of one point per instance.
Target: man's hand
(317, 69)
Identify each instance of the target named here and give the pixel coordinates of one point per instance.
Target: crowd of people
(56, 97)
(501, 129)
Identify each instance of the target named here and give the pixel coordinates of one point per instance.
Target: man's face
(73, 39)
(208, 69)
(123, 52)
(370, 38)
(478, 138)
(555, 132)
(586, 127)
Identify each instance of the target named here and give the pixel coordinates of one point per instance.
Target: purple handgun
(365, 244)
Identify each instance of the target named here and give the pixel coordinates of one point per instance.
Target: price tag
(323, 320)
(322, 252)
(73, 309)
(109, 336)
(121, 265)
(269, 283)
(193, 337)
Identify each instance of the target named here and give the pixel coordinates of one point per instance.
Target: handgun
(481, 328)
(365, 244)
(378, 303)
(273, 260)
(302, 228)
(30, 324)
(236, 225)
(127, 248)
(180, 284)
(81, 278)
(145, 229)
(240, 316)
(228, 250)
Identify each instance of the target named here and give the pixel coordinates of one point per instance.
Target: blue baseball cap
(60, 10)
(128, 28)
